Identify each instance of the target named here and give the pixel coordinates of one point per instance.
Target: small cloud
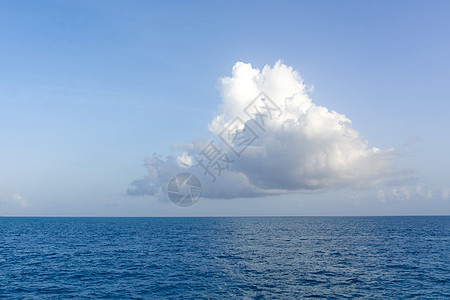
(18, 200)
(445, 193)
(382, 196)
(184, 160)
(409, 192)
(402, 193)
(143, 186)
(423, 192)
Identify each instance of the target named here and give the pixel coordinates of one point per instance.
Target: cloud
(402, 193)
(381, 196)
(17, 200)
(275, 141)
(445, 193)
(403, 181)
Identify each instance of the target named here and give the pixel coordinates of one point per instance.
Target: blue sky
(89, 89)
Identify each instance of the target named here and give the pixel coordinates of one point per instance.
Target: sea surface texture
(268, 257)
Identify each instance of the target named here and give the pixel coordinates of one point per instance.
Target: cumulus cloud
(275, 141)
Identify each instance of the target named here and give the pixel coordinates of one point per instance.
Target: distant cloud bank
(274, 143)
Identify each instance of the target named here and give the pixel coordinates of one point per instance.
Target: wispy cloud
(17, 200)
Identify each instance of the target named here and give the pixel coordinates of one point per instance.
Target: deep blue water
(270, 257)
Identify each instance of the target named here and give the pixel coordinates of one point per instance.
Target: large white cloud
(296, 145)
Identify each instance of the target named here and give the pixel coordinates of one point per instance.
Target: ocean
(236, 257)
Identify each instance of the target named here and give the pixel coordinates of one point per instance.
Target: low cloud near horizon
(16, 200)
(284, 145)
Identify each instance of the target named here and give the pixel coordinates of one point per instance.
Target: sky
(103, 102)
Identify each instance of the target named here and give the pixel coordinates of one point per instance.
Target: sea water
(244, 257)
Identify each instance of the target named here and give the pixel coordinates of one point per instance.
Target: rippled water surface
(225, 257)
